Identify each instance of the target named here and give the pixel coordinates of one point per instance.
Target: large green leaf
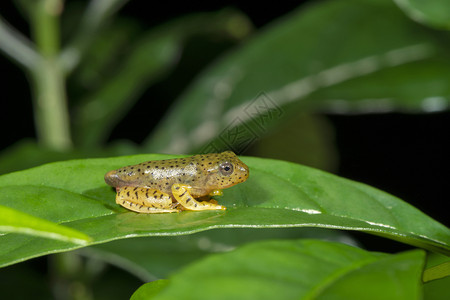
(303, 269)
(137, 255)
(286, 66)
(277, 194)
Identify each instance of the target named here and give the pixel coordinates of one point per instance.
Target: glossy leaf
(435, 13)
(277, 194)
(299, 63)
(13, 221)
(305, 269)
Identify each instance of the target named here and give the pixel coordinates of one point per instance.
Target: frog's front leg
(144, 200)
(181, 194)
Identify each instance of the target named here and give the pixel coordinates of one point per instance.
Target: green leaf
(277, 194)
(410, 88)
(299, 55)
(137, 255)
(151, 289)
(305, 269)
(13, 221)
(435, 13)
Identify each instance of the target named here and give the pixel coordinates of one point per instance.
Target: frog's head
(125, 176)
(227, 171)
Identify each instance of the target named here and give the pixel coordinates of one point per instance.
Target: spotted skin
(173, 185)
(144, 200)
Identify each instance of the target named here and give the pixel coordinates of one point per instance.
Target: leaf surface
(159, 257)
(277, 194)
(301, 269)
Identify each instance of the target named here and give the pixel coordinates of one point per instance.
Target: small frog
(173, 185)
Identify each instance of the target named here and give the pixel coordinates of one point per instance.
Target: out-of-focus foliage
(435, 13)
(356, 65)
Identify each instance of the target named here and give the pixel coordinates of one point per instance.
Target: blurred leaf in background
(305, 64)
(301, 63)
(433, 13)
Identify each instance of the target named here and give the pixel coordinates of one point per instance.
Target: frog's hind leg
(181, 194)
(144, 200)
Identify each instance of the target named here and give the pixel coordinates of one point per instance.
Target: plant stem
(51, 112)
(17, 46)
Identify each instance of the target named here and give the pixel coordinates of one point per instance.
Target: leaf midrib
(393, 218)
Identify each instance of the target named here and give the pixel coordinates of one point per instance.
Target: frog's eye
(226, 168)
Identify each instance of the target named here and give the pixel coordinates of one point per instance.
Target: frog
(178, 184)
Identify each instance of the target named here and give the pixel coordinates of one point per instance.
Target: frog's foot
(181, 194)
(144, 200)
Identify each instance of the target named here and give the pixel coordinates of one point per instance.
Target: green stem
(51, 112)
(17, 47)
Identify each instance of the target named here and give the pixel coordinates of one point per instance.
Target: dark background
(404, 154)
